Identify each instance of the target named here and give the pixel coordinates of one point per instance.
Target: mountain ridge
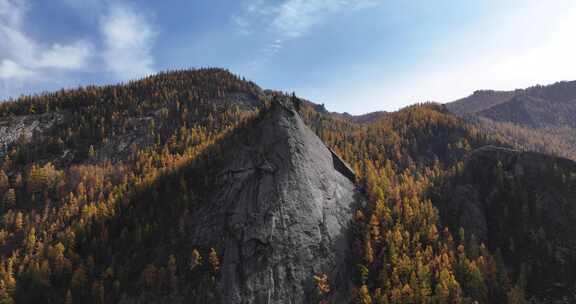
(562, 91)
(163, 190)
(528, 117)
(279, 233)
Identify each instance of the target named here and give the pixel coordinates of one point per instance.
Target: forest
(96, 209)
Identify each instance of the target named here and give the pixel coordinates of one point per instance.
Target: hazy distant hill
(540, 118)
(560, 92)
(479, 101)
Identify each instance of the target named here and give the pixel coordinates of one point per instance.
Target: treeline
(403, 253)
(84, 221)
(522, 206)
(80, 230)
(558, 141)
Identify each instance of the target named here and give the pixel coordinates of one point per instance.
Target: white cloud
(11, 12)
(289, 19)
(128, 40)
(242, 25)
(16, 46)
(29, 63)
(25, 60)
(11, 70)
(294, 18)
(68, 57)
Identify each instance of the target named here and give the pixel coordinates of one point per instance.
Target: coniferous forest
(99, 187)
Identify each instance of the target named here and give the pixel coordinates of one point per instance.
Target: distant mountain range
(536, 107)
(541, 118)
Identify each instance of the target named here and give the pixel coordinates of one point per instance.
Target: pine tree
(30, 240)
(364, 295)
(368, 251)
(18, 221)
(5, 297)
(322, 284)
(68, 298)
(79, 279)
(214, 260)
(196, 259)
(91, 152)
(10, 198)
(150, 276)
(516, 296)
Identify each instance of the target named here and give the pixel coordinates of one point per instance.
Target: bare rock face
(14, 128)
(279, 214)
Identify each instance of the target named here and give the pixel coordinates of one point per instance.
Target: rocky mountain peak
(279, 213)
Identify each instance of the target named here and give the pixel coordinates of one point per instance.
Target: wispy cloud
(24, 59)
(71, 57)
(11, 70)
(121, 43)
(128, 39)
(289, 19)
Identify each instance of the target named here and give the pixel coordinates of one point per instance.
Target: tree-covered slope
(109, 146)
(105, 191)
(539, 118)
(522, 205)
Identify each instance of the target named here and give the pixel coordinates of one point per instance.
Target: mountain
(199, 186)
(114, 120)
(542, 118)
(363, 118)
(522, 204)
(558, 93)
(481, 100)
(280, 209)
(532, 112)
(321, 108)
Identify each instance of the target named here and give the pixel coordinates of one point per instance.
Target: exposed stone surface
(24, 127)
(279, 214)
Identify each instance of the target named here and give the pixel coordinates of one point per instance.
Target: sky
(354, 56)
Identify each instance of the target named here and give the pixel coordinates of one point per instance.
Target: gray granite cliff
(279, 214)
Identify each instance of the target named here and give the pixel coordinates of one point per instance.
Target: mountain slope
(480, 100)
(540, 118)
(198, 186)
(560, 92)
(103, 171)
(533, 112)
(77, 188)
(279, 213)
(522, 204)
(116, 120)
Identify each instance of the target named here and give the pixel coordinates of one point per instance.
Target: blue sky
(353, 55)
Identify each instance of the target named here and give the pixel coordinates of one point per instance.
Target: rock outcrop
(15, 128)
(279, 214)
